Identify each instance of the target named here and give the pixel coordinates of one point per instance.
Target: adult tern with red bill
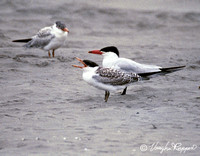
(111, 59)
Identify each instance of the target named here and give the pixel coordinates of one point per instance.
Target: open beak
(66, 30)
(84, 65)
(96, 52)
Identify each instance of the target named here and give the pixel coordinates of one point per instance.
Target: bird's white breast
(58, 40)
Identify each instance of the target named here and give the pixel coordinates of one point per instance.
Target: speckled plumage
(115, 77)
(107, 79)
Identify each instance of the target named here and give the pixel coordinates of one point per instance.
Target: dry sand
(46, 107)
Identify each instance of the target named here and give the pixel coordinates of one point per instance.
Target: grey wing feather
(128, 65)
(115, 77)
(40, 40)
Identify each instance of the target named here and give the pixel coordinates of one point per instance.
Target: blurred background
(47, 109)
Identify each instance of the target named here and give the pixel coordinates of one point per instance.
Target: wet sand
(46, 107)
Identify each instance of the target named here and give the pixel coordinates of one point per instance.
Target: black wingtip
(22, 40)
(171, 69)
(162, 72)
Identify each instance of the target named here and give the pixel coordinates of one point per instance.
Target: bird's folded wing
(44, 32)
(114, 77)
(43, 37)
(132, 66)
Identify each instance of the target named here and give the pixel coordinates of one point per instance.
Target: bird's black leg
(107, 93)
(49, 54)
(124, 91)
(53, 53)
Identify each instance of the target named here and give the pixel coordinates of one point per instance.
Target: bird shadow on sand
(39, 61)
(31, 60)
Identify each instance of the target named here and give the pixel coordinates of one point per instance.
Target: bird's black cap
(60, 25)
(90, 63)
(110, 49)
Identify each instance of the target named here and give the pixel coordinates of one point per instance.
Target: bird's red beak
(66, 30)
(96, 52)
(81, 62)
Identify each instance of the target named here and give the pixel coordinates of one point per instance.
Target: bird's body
(127, 65)
(107, 79)
(111, 59)
(48, 38)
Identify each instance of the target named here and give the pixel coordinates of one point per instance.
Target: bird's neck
(88, 73)
(59, 33)
(89, 70)
(109, 60)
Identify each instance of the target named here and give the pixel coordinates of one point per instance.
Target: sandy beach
(47, 109)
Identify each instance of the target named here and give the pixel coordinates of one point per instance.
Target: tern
(107, 79)
(48, 38)
(111, 59)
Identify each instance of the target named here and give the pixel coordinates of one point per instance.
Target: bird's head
(61, 26)
(106, 51)
(86, 63)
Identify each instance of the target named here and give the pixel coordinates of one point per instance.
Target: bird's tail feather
(172, 69)
(23, 40)
(162, 72)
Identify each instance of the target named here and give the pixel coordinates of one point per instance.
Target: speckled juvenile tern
(107, 79)
(111, 59)
(48, 38)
